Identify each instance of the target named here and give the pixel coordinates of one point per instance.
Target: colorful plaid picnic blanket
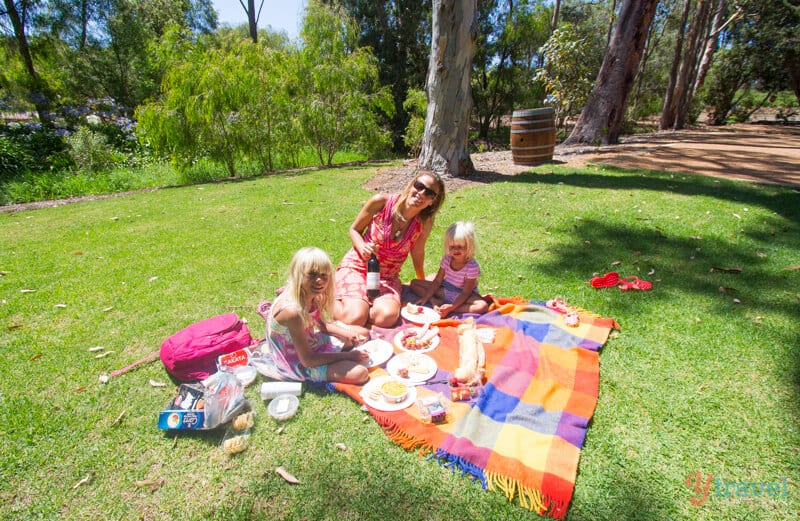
(522, 436)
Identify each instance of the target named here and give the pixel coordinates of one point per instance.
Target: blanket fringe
(529, 498)
(454, 463)
(401, 437)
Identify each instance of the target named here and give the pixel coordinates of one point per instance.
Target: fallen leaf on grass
(154, 484)
(697, 320)
(792, 268)
(95, 349)
(725, 270)
(106, 310)
(341, 446)
(62, 306)
(758, 319)
(737, 301)
(12, 327)
(79, 389)
(119, 419)
(102, 355)
(4, 273)
(36, 356)
(723, 289)
(27, 290)
(82, 481)
(282, 472)
(152, 279)
(154, 383)
(616, 263)
(279, 429)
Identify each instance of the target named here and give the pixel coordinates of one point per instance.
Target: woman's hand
(367, 250)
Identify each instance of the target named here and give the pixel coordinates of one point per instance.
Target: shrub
(92, 152)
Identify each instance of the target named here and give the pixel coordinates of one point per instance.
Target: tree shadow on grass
(785, 201)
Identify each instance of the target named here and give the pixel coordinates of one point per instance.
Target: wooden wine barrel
(533, 135)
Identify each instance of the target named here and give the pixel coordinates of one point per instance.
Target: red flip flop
(634, 282)
(608, 280)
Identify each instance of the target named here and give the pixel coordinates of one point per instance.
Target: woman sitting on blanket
(455, 287)
(391, 227)
(299, 340)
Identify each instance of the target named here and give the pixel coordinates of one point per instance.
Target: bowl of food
(394, 391)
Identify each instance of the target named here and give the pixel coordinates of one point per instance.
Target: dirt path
(752, 152)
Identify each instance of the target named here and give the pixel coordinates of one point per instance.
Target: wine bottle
(373, 277)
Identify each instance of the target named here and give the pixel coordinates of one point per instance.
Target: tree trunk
(252, 17)
(556, 11)
(688, 70)
(38, 91)
(444, 144)
(603, 114)
(711, 44)
(668, 109)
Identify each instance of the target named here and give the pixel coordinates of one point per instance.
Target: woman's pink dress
(351, 274)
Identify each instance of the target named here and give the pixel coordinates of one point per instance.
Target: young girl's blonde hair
(461, 231)
(310, 260)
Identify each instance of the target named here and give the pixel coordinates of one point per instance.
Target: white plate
(398, 341)
(380, 403)
(379, 351)
(405, 360)
(427, 316)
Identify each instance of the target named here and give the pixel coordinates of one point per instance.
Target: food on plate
(419, 338)
(394, 391)
(414, 309)
(470, 368)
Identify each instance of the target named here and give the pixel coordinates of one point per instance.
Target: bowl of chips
(394, 391)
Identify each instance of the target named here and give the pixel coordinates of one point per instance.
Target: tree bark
(668, 109)
(602, 116)
(688, 70)
(711, 44)
(252, 17)
(444, 144)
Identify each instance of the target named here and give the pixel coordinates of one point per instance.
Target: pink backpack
(191, 353)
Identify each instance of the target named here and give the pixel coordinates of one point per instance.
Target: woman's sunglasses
(419, 186)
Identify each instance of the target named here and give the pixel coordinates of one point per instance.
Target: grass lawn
(702, 378)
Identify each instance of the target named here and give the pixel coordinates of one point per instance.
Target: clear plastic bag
(224, 399)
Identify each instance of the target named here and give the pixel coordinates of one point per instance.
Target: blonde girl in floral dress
(299, 340)
(391, 226)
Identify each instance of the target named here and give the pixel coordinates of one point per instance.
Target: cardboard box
(185, 411)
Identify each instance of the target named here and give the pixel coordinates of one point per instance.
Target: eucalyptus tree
(444, 145)
(337, 86)
(602, 117)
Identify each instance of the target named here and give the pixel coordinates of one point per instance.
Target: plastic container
(245, 374)
(270, 390)
(283, 407)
